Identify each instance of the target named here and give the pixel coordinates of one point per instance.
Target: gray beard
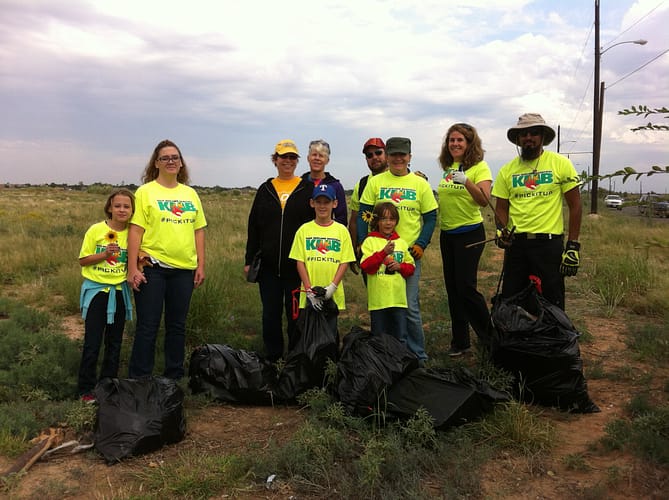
(530, 153)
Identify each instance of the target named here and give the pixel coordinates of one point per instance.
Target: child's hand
(113, 249)
(390, 247)
(393, 266)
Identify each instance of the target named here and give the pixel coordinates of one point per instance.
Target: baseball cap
(324, 190)
(375, 142)
(286, 146)
(398, 145)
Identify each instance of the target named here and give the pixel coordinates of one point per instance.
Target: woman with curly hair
(464, 188)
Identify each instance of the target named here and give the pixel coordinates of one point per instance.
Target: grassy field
(618, 300)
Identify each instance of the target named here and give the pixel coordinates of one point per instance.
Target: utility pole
(596, 119)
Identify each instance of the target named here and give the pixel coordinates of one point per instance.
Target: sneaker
(454, 351)
(89, 398)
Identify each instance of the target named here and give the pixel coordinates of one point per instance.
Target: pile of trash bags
(534, 340)
(538, 344)
(373, 373)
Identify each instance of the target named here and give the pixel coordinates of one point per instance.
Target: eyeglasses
(378, 152)
(532, 131)
(167, 159)
(289, 156)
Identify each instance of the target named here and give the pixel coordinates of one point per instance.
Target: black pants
(540, 258)
(465, 303)
(276, 298)
(97, 329)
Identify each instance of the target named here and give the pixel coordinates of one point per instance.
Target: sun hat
(324, 190)
(286, 146)
(375, 142)
(398, 145)
(529, 120)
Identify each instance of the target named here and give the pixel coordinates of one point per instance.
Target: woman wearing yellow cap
(280, 207)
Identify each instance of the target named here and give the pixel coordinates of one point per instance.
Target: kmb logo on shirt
(176, 207)
(532, 180)
(397, 195)
(324, 245)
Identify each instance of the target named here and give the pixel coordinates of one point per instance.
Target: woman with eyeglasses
(280, 207)
(318, 158)
(166, 259)
(464, 188)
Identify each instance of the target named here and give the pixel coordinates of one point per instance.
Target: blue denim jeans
(173, 289)
(391, 321)
(97, 330)
(415, 334)
(276, 298)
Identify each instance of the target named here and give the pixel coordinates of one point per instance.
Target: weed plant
(193, 475)
(646, 432)
(650, 341)
(518, 427)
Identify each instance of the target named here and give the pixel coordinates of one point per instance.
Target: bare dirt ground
(234, 429)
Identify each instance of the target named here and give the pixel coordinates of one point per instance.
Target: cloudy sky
(88, 87)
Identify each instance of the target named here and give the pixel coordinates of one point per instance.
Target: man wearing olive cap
(529, 192)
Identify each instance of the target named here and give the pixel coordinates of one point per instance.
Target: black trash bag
(137, 416)
(452, 397)
(231, 375)
(537, 342)
(316, 342)
(368, 365)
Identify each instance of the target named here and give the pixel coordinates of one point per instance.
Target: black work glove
(570, 259)
(503, 238)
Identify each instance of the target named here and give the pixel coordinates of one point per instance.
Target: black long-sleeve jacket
(272, 230)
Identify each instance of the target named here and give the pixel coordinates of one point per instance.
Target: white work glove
(316, 302)
(459, 177)
(330, 290)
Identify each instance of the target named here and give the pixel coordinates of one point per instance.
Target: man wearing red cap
(375, 154)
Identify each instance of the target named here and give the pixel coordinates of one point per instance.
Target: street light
(598, 109)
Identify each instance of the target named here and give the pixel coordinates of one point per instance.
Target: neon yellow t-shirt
(323, 249)
(534, 190)
(355, 198)
(284, 188)
(169, 218)
(386, 290)
(411, 194)
(456, 206)
(113, 270)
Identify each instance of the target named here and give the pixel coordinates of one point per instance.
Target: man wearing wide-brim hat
(529, 191)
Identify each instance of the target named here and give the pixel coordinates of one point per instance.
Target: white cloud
(227, 80)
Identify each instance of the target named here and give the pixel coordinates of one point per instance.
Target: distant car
(659, 207)
(614, 201)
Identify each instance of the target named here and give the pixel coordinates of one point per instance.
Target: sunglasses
(465, 126)
(532, 131)
(378, 152)
(289, 156)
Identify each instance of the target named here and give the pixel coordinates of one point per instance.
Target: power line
(635, 23)
(639, 68)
